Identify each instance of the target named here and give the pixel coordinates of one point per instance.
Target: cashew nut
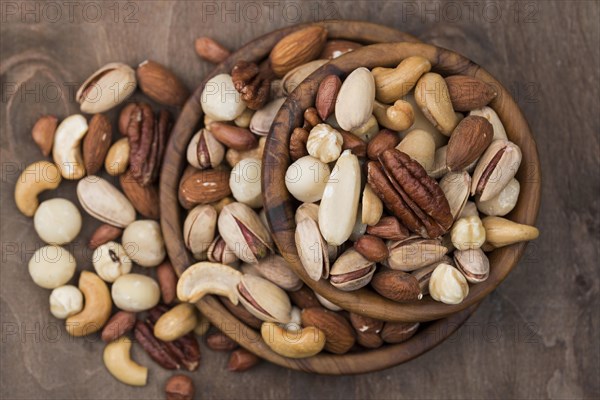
(178, 321)
(118, 362)
(96, 310)
(37, 177)
(393, 83)
(205, 278)
(397, 117)
(302, 343)
(66, 150)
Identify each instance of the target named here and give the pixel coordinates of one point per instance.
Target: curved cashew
(305, 342)
(96, 310)
(37, 177)
(205, 278)
(66, 150)
(393, 83)
(120, 365)
(397, 117)
(178, 321)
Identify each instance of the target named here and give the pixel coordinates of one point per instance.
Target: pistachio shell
(456, 187)
(473, 263)
(106, 88)
(199, 228)
(489, 114)
(293, 78)
(219, 252)
(312, 249)
(261, 121)
(351, 271)
(307, 210)
(414, 252)
(105, 202)
(496, 167)
(277, 270)
(264, 299)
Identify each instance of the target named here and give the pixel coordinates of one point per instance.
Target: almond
(353, 143)
(203, 187)
(297, 48)
(160, 84)
(397, 332)
(384, 140)
(339, 335)
(120, 323)
(211, 50)
(468, 93)
(103, 234)
(372, 248)
(167, 281)
(397, 285)
(468, 142)
(96, 143)
(327, 95)
(336, 48)
(143, 198)
(369, 340)
(43, 133)
(234, 137)
(389, 228)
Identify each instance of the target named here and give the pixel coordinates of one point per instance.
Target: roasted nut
(175, 323)
(365, 324)
(253, 82)
(106, 88)
(245, 182)
(43, 133)
(496, 167)
(501, 232)
(264, 300)
(104, 202)
(104, 234)
(307, 178)
(211, 50)
(161, 84)
(468, 233)
(335, 48)
(135, 292)
(220, 100)
(448, 285)
(51, 266)
(397, 117)
(117, 158)
(473, 264)
(65, 301)
(420, 146)
(383, 140)
(306, 210)
(468, 142)
(57, 221)
(338, 332)
(240, 139)
(179, 387)
(301, 344)
(240, 312)
(199, 229)
(96, 143)
(297, 48)
(97, 306)
(66, 150)
(218, 341)
(219, 252)
(503, 202)
(120, 323)
(372, 207)
(372, 248)
(393, 83)
(355, 99)
(110, 261)
(324, 143)
(202, 326)
(205, 278)
(261, 121)
(351, 271)
(118, 362)
(397, 285)
(203, 187)
(242, 360)
(143, 198)
(388, 228)
(339, 203)
(468, 93)
(144, 243)
(398, 332)
(298, 141)
(431, 94)
(327, 95)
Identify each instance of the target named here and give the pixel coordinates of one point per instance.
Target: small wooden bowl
(172, 216)
(280, 205)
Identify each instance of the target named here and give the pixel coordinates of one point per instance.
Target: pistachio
(448, 285)
(293, 78)
(106, 88)
(431, 94)
(468, 233)
(372, 207)
(473, 263)
(456, 187)
(503, 202)
(244, 233)
(199, 228)
(204, 151)
(104, 202)
(312, 249)
(261, 121)
(277, 270)
(351, 271)
(264, 299)
(307, 210)
(324, 143)
(414, 252)
(219, 252)
(489, 114)
(339, 203)
(496, 167)
(501, 232)
(355, 99)
(205, 278)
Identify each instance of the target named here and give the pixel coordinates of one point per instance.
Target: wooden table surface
(534, 337)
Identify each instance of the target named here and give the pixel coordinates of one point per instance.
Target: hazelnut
(324, 143)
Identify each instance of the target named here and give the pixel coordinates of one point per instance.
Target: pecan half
(253, 82)
(148, 134)
(410, 194)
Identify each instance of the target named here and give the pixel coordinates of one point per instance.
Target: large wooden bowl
(172, 216)
(280, 205)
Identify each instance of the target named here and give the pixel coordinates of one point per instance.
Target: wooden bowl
(280, 205)
(172, 216)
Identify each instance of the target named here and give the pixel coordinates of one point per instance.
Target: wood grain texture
(533, 337)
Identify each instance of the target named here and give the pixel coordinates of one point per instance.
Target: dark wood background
(534, 337)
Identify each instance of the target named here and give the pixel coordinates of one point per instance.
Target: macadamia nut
(245, 182)
(503, 202)
(306, 179)
(220, 101)
(57, 221)
(135, 292)
(65, 301)
(111, 261)
(144, 243)
(51, 266)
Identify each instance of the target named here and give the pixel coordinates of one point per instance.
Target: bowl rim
(171, 220)
(279, 204)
